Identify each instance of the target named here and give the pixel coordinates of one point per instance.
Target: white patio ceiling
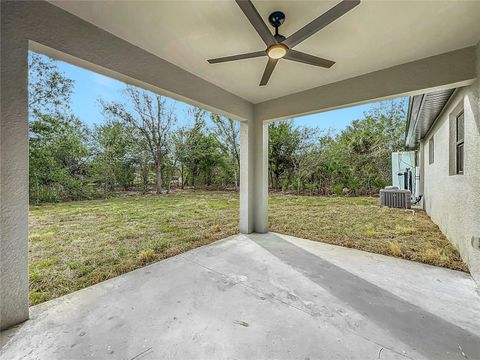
(373, 36)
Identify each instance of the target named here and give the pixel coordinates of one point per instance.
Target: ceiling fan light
(277, 51)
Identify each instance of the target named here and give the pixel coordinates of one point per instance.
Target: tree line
(141, 145)
(356, 161)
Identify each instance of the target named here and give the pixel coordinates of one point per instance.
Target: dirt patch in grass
(78, 244)
(360, 223)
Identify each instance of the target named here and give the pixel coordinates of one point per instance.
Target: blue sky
(90, 86)
(335, 120)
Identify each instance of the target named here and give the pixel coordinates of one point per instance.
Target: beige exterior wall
(453, 201)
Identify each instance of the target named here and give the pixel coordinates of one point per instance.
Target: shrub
(338, 189)
(395, 249)
(216, 228)
(146, 256)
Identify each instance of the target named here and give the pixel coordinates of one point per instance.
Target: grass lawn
(77, 244)
(358, 222)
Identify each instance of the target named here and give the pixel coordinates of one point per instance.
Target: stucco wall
(13, 177)
(453, 201)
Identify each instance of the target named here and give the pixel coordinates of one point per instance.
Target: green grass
(77, 244)
(359, 223)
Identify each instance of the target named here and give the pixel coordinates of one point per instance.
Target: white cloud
(105, 81)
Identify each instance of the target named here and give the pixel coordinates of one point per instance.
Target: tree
(113, 163)
(180, 145)
(49, 90)
(58, 140)
(142, 159)
(228, 135)
(152, 117)
(284, 140)
(358, 158)
(199, 153)
(369, 143)
(301, 155)
(193, 149)
(138, 142)
(58, 159)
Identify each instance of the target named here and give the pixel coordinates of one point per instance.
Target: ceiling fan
(278, 46)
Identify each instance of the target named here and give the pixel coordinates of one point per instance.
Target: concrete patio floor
(258, 296)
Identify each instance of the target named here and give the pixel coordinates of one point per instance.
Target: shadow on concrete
(7, 334)
(423, 331)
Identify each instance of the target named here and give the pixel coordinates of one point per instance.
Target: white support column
(246, 177)
(260, 177)
(13, 177)
(253, 177)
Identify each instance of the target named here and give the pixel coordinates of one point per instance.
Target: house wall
(453, 201)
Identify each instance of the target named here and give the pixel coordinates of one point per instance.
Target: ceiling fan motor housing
(276, 18)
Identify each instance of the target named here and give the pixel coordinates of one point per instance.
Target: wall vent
(395, 198)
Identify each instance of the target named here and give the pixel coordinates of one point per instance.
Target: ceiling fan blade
(308, 59)
(256, 20)
(319, 23)
(237, 57)
(268, 71)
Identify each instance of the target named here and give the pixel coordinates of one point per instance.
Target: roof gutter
(415, 104)
(423, 111)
